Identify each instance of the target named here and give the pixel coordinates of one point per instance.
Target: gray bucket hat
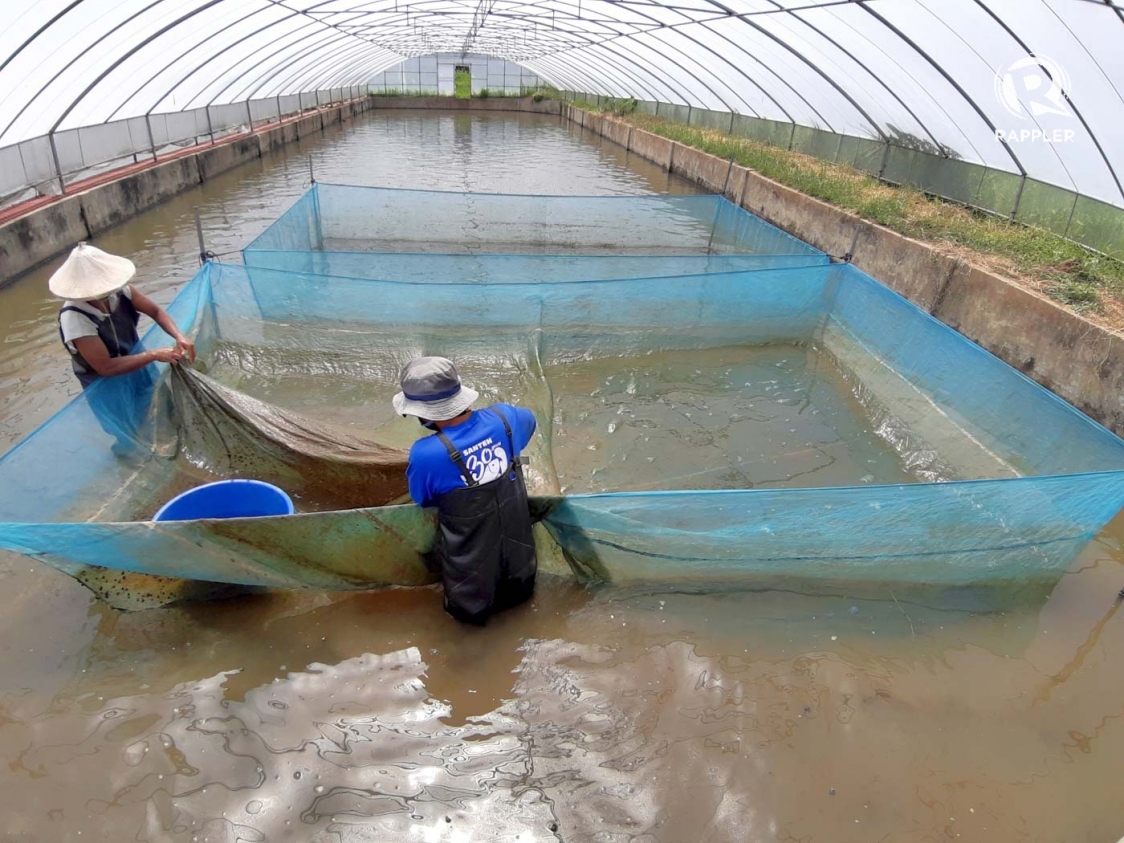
(432, 389)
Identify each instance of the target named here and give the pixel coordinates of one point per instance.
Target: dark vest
(484, 542)
(118, 331)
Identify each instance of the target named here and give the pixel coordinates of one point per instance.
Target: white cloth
(76, 325)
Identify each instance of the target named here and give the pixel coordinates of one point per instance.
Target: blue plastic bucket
(227, 499)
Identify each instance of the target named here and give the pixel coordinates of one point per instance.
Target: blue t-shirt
(482, 442)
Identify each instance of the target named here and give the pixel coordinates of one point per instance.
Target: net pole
(199, 234)
(718, 207)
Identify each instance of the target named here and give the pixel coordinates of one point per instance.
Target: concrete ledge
(307, 126)
(34, 238)
(618, 133)
(109, 204)
(708, 170)
(273, 138)
(650, 146)
(1075, 359)
(220, 158)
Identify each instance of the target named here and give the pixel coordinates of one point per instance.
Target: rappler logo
(1031, 88)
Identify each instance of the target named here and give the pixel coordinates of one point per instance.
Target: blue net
(749, 427)
(340, 218)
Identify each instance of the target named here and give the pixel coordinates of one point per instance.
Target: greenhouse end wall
(1085, 220)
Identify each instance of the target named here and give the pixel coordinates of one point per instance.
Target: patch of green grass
(462, 83)
(403, 92)
(1067, 271)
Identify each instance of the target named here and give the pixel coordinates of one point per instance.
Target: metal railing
(48, 165)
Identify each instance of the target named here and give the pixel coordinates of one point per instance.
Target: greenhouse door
(462, 81)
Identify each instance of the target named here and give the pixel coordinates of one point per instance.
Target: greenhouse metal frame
(1007, 105)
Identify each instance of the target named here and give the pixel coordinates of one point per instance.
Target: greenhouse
(571, 420)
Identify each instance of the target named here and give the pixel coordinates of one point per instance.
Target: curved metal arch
(309, 68)
(748, 54)
(307, 74)
(603, 75)
(327, 37)
(129, 54)
(294, 13)
(640, 60)
(693, 75)
(352, 73)
(331, 43)
(631, 71)
(35, 35)
(553, 73)
(796, 16)
(363, 73)
(298, 66)
(750, 79)
(635, 66)
(811, 64)
(868, 43)
(590, 57)
(862, 4)
(343, 70)
(1096, 141)
(67, 67)
(754, 112)
(234, 44)
(649, 68)
(657, 24)
(195, 46)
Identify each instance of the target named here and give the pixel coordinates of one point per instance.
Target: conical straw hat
(89, 273)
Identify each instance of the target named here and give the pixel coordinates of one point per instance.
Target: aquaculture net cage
(722, 424)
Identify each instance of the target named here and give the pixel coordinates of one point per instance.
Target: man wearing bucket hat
(98, 319)
(470, 470)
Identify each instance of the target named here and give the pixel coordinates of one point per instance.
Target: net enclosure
(731, 422)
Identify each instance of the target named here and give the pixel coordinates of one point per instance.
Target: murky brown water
(589, 715)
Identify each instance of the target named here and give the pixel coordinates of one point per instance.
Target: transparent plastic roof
(937, 75)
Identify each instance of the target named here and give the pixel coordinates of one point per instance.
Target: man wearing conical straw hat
(98, 319)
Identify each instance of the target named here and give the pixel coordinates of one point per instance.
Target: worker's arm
(96, 355)
(160, 316)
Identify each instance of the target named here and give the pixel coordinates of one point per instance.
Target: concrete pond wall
(1069, 355)
(28, 240)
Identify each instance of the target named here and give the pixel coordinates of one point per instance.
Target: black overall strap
(76, 354)
(516, 461)
(507, 430)
(458, 460)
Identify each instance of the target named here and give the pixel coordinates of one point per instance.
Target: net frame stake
(718, 210)
(151, 137)
(58, 163)
(199, 234)
(311, 174)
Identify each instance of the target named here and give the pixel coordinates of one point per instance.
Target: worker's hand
(187, 347)
(167, 355)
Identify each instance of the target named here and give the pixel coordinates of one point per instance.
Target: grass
(462, 83)
(484, 93)
(403, 92)
(1084, 280)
